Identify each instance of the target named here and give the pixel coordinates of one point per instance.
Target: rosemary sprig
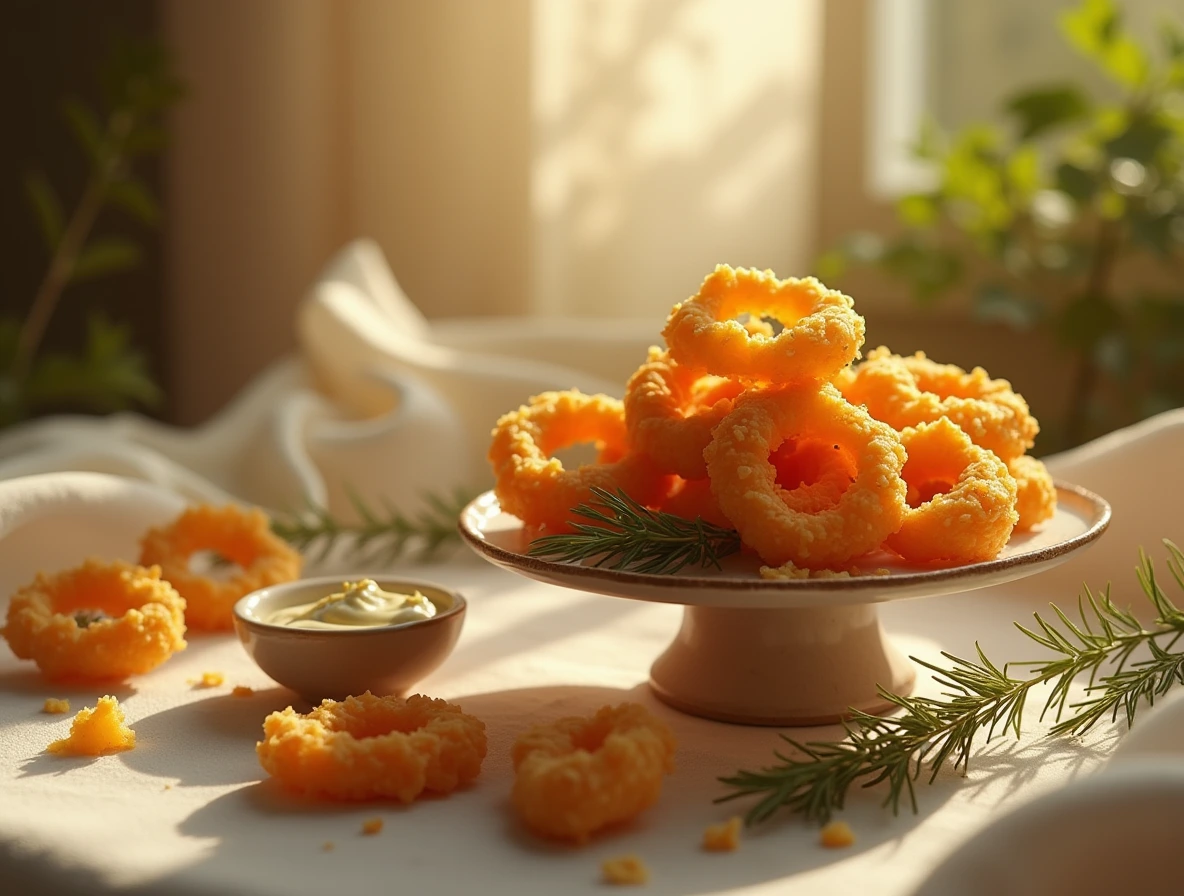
(933, 732)
(381, 536)
(623, 534)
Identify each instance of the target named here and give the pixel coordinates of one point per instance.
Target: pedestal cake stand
(787, 652)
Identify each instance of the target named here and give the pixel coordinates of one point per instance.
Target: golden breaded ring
(691, 499)
(822, 333)
(909, 391)
(534, 486)
(97, 621)
(1036, 496)
(242, 536)
(968, 523)
(369, 747)
(576, 775)
(664, 419)
(745, 481)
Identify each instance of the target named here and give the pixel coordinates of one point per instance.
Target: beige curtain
(558, 157)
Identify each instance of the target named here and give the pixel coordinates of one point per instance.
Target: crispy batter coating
(1036, 496)
(370, 747)
(96, 731)
(577, 775)
(745, 481)
(822, 333)
(691, 498)
(97, 621)
(669, 416)
(963, 498)
(243, 536)
(836, 835)
(912, 390)
(534, 486)
(55, 705)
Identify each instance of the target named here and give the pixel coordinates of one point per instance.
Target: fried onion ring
(370, 747)
(691, 499)
(912, 390)
(821, 331)
(1036, 496)
(242, 536)
(96, 621)
(534, 486)
(964, 496)
(577, 775)
(665, 416)
(745, 481)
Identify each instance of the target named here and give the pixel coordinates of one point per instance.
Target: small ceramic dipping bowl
(338, 663)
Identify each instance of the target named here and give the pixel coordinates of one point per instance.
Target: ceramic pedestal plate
(786, 652)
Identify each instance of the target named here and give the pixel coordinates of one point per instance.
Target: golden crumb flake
(96, 731)
(241, 690)
(328, 846)
(372, 826)
(836, 835)
(723, 837)
(209, 680)
(54, 705)
(625, 871)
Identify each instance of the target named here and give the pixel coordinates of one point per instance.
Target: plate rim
(619, 577)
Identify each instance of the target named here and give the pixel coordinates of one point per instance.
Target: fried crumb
(836, 835)
(624, 871)
(208, 680)
(723, 837)
(54, 705)
(372, 826)
(328, 846)
(241, 690)
(96, 731)
(168, 787)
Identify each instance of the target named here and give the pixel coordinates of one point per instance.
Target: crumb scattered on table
(625, 871)
(723, 837)
(241, 690)
(54, 705)
(328, 846)
(208, 680)
(836, 835)
(96, 731)
(372, 826)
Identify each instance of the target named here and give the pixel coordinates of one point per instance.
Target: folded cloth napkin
(379, 402)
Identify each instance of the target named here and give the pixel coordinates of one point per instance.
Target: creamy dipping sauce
(358, 605)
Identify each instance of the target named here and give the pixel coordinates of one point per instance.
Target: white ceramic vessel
(786, 652)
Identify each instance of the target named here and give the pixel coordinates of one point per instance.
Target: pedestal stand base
(805, 666)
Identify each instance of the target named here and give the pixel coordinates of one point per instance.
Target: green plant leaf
(995, 303)
(1141, 140)
(1085, 320)
(133, 197)
(109, 376)
(47, 207)
(106, 255)
(1040, 110)
(918, 211)
(930, 271)
(1077, 182)
(146, 140)
(87, 129)
(1095, 29)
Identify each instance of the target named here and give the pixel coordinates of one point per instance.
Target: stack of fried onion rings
(370, 747)
(962, 498)
(745, 481)
(577, 775)
(96, 621)
(242, 536)
(821, 332)
(670, 411)
(908, 391)
(535, 487)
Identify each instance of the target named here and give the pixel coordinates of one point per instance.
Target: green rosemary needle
(623, 534)
(380, 536)
(930, 733)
